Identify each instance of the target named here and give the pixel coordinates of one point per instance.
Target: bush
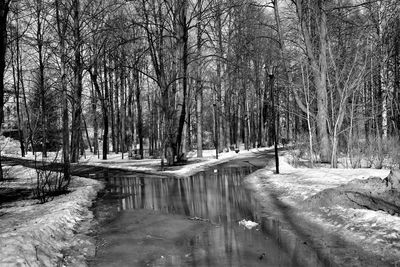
(50, 182)
(300, 150)
(375, 153)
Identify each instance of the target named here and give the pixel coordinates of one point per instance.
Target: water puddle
(191, 221)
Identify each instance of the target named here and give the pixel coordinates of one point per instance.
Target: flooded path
(150, 220)
(194, 221)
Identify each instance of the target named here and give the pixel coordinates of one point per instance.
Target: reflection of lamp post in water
(271, 80)
(216, 130)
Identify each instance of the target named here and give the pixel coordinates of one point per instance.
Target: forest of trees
(163, 77)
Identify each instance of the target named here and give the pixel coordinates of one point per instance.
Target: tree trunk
(239, 127)
(220, 52)
(61, 28)
(105, 104)
(151, 126)
(199, 89)
(306, 89)
(383, 80)
(94, 98)
(116, 109)
(318, 63)
(4, 7)
(183, 36)
(28, 117)
(87, 135)
(42, 89)
(322, 96)
(123, 110)
(139, 115)
(77, 96)
(245, 116)
(130, 122)
(16, 80)
(112, 104)
(199, 118)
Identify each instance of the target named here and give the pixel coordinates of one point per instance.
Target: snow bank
(298, 184)
(34, 234)
(377, 232)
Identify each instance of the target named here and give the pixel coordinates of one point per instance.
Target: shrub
(50, 181)
(375, 153)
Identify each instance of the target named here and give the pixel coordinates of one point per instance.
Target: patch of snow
(248, 224)
(298, 184)
(34, 234)
(376, 231)
(122, 162)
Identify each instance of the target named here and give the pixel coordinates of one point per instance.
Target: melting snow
(34, 234)
(248, 224)
(376, 231)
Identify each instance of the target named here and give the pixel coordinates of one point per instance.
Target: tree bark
(4, 8)
(104, 102)
(42, 89)
(112, 104)
(123, 109)
(139, 116)
(61, 29)
(183, 36)
(16, 79)
(199, 89)
(318, 63)
(130, 122)
(94, 98)
(220, 52)
(117, 108)
(77, 95)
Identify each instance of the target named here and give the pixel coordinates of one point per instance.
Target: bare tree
(77, 92)
(316, 51)
(4, 8)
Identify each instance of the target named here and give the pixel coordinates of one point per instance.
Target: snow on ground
(115, 161)
(376, 231)
(33, 234)
(297, 184)
(194, 165)
(122, 162)
(248, 224)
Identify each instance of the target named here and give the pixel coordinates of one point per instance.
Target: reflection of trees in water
(211, 195)
(219, 197)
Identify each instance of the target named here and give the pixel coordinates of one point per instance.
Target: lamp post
(216, 129)
(271, 80)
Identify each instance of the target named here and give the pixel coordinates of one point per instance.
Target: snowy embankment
(49, 234)
(375, 231)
